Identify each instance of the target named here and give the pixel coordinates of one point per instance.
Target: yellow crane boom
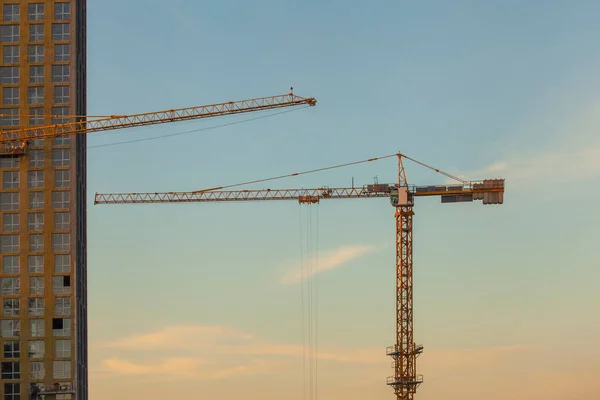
(402, 195)
(15, 142)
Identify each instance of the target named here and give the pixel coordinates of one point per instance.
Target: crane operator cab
(399, 197)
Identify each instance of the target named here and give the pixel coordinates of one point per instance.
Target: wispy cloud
(203, 352)
(180, 337)
(182, 368)
(572, 153)
(327, 261)
(456, 373)
(528, 170)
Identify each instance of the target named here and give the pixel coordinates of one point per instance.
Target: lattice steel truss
(15, 141)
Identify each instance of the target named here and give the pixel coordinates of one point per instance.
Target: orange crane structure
(402, 195)
(16, 142)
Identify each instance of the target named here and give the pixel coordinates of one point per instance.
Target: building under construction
(43, 203)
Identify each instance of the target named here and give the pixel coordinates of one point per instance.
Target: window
(10, 265)
(36, 157)
(37, 328)
(36, 142)
(36, 74)
(35, 221)
(11, 370)
(61, 178)
(11, 54)
(12, 117)
(36, 200)
(10, 328)
(35, 265)
(60, 157)
(10, 223)
(9, 201)
(61, 369)
(62, 263)
(62, 221)
(59, 115)
(62, 140)
(62, 52)
(36, 32)
(35, 53)
(62, 11)
(36, 12)
(9, 244)
(36, 349)
(36, 306)
(36, 285)
(11, 12)
(9, 162)
(62, 305)
(60, 32)
(35, 179)
(10, 96)
(9, 286)
(11, 307)
(60, 199)
(9, 75)
(12, 349)
(36, 242)
(12, 391)
(61, 94)
(61, 284)
(36, 118)
(9, 33)
(37, 370)
(61, 242)
(10, 179)
(60, 73)
(62, 348)
(35, 95)
(61, 326)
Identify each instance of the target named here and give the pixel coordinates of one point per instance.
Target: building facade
(43, 321)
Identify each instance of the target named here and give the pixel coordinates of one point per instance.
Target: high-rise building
(43, 321)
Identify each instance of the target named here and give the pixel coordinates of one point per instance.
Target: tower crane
(15, 142)
(402, 195)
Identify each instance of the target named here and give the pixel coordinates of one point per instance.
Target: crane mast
(15, 142)
(405, 352)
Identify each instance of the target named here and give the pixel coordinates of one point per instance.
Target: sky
(206, 300)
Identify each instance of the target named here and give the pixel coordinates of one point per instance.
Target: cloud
(224, 340)
(208, 353)
(181, 368)
(571, 153)
(180, 337)
(210, 356)
(327, 261)
(528, 170)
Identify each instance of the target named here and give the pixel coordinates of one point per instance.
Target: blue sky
(479, 89)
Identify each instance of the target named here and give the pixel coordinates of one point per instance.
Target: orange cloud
(211, 340)
(179, 368)
(206, 355)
